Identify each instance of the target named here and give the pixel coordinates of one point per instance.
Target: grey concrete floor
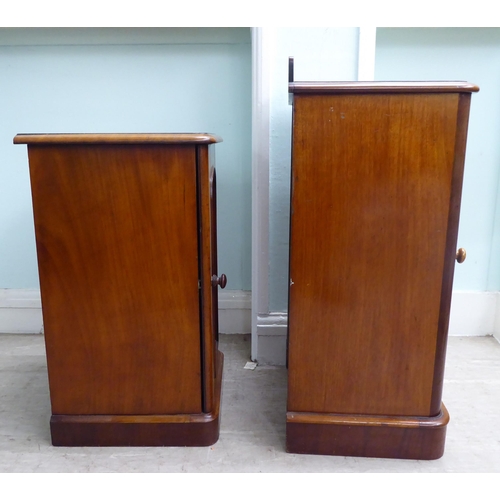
(252, 434)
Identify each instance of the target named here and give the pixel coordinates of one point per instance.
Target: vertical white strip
(496, 330)
(366, 54)
(260, 179)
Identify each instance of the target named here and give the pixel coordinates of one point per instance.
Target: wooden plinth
(418, 438)
(140, 430)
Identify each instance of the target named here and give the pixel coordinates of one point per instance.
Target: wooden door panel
(214, 257)
(368, 236)
(129, 315)
(209, 295)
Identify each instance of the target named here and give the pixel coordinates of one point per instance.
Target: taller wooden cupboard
(125, 228)
(376, 186)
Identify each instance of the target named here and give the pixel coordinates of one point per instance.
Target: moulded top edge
(186, 138)
(381, 87)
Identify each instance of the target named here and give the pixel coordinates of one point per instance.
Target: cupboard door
(212, 361)
(117, 243)
(371, 191)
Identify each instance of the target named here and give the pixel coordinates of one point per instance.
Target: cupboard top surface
(381, 87)
(178, 138)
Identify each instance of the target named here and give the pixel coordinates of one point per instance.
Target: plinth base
(140, 430)
(419, 438)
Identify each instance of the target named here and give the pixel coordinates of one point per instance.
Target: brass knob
(220, 281)
(461, 254)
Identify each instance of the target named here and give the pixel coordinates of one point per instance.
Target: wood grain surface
(210, 311)
(200, 429)
(416, 438)
(381, 87)
(116, 139)
(117, 242)
(371, 189)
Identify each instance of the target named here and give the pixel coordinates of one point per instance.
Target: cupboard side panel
(371, 192)
(116, 231)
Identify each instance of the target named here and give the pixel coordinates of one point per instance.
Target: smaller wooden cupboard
(375, 198)
(126, 239)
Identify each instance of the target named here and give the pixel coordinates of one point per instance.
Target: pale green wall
(126, 80)
(471, 54)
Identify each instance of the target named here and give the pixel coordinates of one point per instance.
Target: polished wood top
(380, 87)
(186, 138)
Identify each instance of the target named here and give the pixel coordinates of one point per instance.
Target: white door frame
(260, 180)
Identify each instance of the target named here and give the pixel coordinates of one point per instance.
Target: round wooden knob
(219, 280)
(461, 254)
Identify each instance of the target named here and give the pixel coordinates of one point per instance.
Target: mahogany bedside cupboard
(375, 198)
(126, 239)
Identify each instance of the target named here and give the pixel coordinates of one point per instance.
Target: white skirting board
(21, 311)
(472, 314)
(475, 314)
(235, 308)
